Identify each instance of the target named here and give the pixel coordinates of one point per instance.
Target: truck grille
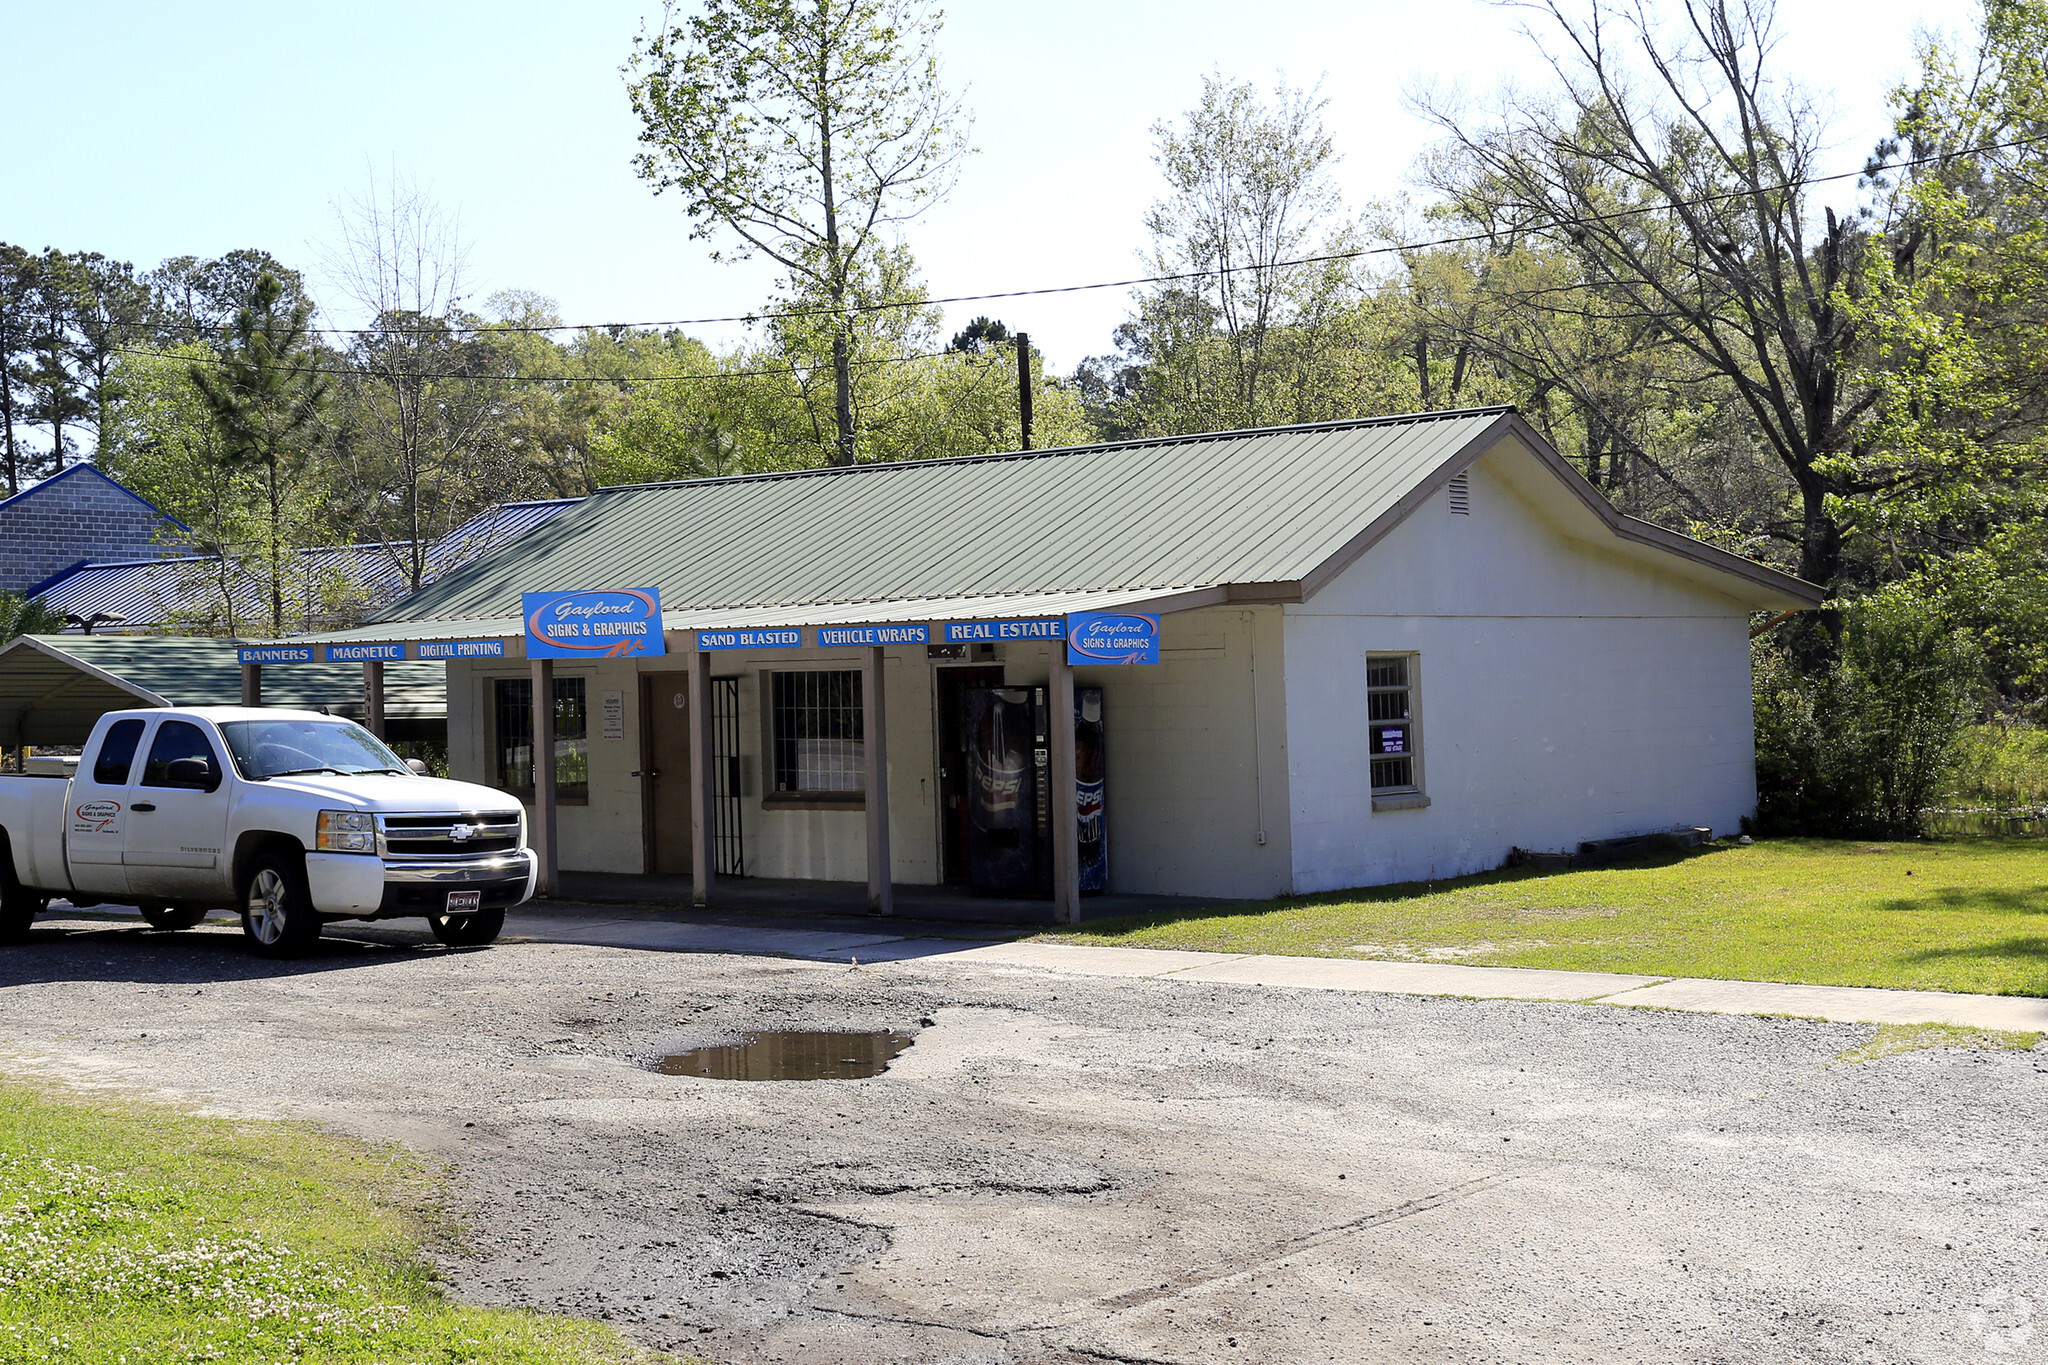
(434, 836)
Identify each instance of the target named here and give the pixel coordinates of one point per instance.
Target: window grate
(728, 851)
(1461, 495)
(816, 722)
(1391, 742)
(512, 703)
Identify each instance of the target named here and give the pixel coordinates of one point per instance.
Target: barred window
(1393, 741)
(815, 725)
(512, 705)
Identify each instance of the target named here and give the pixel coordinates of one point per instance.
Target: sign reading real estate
(750, 639)
(461, 649)
(1005, 630)
(1112, 637)
(828, 636)
(602, 623)
(363, 654)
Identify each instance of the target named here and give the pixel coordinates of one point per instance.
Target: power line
(1212, 272)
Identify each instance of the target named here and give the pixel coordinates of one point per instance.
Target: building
(1388, 649)
(78, 517)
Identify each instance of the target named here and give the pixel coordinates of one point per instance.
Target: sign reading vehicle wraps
(1006, 630)
(829, 636)
(749, 639)
(462, 649)
(603, 623)
(275, 654)
(361, 654)
(1112, 637)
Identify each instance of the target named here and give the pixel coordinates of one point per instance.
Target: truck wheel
(467, 931)
(19, 906)
(169, 917)
(277, 909)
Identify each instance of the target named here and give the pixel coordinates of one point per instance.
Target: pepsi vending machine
(1009, 767)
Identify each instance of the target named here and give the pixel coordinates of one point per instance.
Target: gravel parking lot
(1078, 1169)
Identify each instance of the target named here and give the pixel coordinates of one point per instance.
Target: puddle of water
(791, 1055)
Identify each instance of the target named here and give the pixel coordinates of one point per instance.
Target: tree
(52, 387)
(21, 615)
(195, 299)
(17, 308)
(980, 336)
(809, 130)
(265, 398)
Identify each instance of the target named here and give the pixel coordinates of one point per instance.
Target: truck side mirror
(418, 765)
(196, 773)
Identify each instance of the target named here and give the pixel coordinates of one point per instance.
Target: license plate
(459, 901)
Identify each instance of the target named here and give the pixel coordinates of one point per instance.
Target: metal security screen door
(728, 855)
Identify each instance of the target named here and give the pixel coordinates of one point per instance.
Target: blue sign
(355, 654)
(462, 649)
(275, 654)
(873, 635)
(749, 639)
(1006, 630)
(608, 623)
(1112, 637)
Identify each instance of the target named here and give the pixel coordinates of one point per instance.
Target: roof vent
(1461, 494)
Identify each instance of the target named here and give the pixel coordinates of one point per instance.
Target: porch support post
(252, 684)
(874, 722)
(373, 696)
(1066, 831)
(703, 817)
(545, 842)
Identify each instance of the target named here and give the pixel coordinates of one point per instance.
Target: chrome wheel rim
(266, 909)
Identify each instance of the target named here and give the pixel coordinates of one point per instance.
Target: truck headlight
(346, 831)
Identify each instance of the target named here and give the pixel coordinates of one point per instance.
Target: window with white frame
(815, 731)
(1393, 740)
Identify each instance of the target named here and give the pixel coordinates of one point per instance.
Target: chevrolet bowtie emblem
(461, 834)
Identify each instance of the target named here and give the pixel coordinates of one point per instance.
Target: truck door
(96, 823)
(177, 820)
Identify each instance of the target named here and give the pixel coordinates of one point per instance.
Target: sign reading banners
(749, 639)
(1112, 637)
(275, 654)
(362, 654)
(606, 623)
(462, 649)
(873, 635)
(1006, 630)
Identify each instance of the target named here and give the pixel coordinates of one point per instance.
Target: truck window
(117, 753)
(175, 739)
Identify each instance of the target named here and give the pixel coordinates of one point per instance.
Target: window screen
(1392, 740)
(816, 724)
(117, 753)
(175, 739)
(512, 708)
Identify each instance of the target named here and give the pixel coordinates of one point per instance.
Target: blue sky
(208, 126)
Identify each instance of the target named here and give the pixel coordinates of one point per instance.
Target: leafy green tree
(26, 616)
(17, 312)
(49, 377)
(811, 131)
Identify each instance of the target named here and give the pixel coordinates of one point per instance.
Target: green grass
(1892, 1039)
(1956, 915)
(143, 1236)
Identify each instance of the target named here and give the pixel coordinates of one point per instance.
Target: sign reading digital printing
(1112, 637)
(462, 649)
(363, 654)
(1006, 630)
(275, 654)
(606, 623)
(749, 639)
(829, 636)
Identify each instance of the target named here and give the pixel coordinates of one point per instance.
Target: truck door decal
(97, 817)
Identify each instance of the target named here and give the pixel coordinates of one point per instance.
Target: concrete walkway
(1844, 1004)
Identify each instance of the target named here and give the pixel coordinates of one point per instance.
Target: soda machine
(1009, 790)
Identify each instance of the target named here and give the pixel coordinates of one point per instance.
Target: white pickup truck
(290, 817)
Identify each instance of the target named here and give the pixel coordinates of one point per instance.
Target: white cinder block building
(1388, 650)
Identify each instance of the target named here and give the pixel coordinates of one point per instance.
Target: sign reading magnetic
(604, 623)
(359, 654)
(1006, 630)
(873, 635)
(749, 639)
(275, 654)
(1112, 637)
(462, 649)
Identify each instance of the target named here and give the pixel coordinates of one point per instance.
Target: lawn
(1955, 915)
(141, 1236)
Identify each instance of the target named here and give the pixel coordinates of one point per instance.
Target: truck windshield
(279, 748)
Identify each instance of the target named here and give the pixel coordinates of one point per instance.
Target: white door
(96, 825)
(176, 824)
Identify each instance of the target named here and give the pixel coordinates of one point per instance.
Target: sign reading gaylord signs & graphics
(605, 623)
(1112, 637)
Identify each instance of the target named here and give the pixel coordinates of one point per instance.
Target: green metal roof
(53, 688)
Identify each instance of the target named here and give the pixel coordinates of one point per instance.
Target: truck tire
(19, 906)
(170, 917)
(468, 931)
(278, 917)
